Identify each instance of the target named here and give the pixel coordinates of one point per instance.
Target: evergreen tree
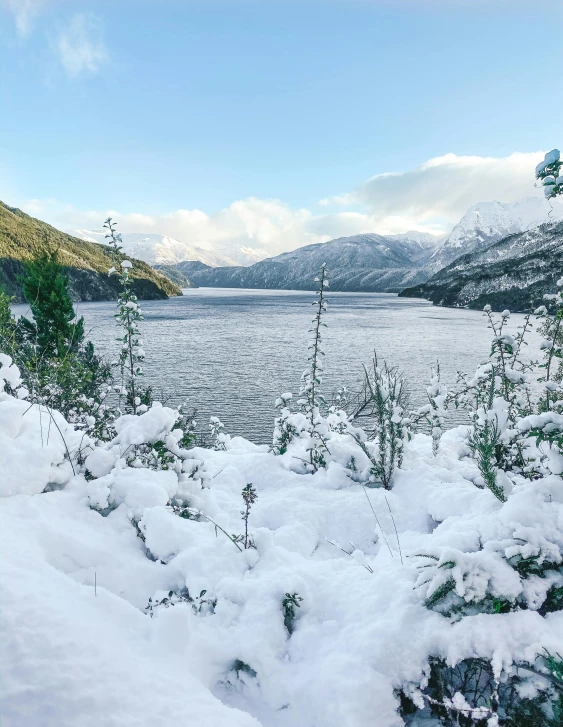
(8, 330)
(59, 368)
(55, 330)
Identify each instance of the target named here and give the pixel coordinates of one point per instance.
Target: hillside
(488, 222)
(367, 262)
(512, 273)
(86, 263)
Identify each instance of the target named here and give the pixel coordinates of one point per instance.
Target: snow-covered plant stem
(484, 441)
(386, 393)
(128, 317)
(309, 396)
(552, 345)
(249, 496)
(217, 431)
(284, 430)
(435, 411)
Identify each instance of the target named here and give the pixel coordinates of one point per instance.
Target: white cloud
(24, 12)
(80, 46)
(442, 189)
(429, 198)
(260, 224)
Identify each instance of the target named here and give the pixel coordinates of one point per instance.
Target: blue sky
(148, 108)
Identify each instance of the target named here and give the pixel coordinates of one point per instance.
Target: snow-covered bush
(549, 173)
(384, 402)
(219, 437)
(435, 411)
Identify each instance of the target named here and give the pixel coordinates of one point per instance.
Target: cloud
(431, 197)
(80, 46)
(261, 224)
(441, 190)
(24, 12)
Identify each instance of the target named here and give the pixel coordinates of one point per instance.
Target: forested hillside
(513, 273)
(22, 237)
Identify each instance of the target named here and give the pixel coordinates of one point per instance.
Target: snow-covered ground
(81, 557)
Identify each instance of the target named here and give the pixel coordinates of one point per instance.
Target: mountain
(22, 237)
(367, 262)
(159, 249)
(486, 223)
(512, 273)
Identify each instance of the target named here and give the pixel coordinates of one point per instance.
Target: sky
(274, 123)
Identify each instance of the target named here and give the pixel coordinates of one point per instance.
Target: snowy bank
(126, 602)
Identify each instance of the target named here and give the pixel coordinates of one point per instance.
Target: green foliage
(486, 698)
(548, 173)
(54, 331)
(290, 602)
(60, 370)
(384, 401)
(8, 331)
(23, 238)
(553, 601)
(199, 604)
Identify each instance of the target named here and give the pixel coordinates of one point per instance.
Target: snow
(165, 250)
(76, 578)
(551, 157)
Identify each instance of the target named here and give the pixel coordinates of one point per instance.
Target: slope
(366, 262)
(512, 273)
(488, 222)
(86, 263)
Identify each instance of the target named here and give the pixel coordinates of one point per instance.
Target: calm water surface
(232, 352)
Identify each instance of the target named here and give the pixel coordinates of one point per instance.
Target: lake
(232, 352)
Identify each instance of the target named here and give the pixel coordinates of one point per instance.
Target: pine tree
(8, 329)
(55, 330)
(60, 369)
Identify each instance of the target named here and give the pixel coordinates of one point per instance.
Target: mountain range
(393, 263)
(367, 262)
(164, 250)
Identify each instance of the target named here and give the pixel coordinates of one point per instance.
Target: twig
(396, 533)
(223, 531)
(367, 567)
(377, 521)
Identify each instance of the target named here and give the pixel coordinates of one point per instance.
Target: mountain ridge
(514, 272)
(157, 249)
(86, 263)
(364, 262)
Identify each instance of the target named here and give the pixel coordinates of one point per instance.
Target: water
(233, 352)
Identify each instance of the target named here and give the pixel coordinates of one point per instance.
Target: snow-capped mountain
(512, 273)
(366, 262)
(486, 222)
(164, 250)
